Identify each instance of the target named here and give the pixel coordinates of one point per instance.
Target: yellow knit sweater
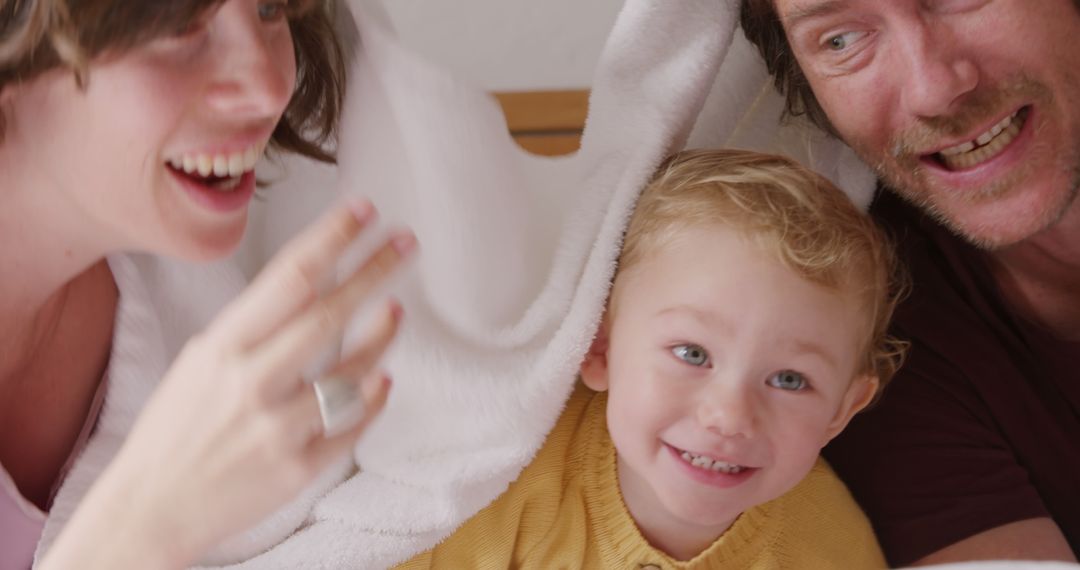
(566, 511)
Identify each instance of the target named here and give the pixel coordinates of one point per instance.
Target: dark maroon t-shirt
(981, 427)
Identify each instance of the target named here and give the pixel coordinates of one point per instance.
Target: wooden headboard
(546, 122)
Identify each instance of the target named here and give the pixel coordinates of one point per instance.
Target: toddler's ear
(859, 395)
(594, 369)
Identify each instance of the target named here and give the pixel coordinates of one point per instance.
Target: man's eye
(273, 11)
(787, 380)
(692, 354)
(840, 42)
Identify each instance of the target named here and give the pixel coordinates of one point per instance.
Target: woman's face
(156, 153)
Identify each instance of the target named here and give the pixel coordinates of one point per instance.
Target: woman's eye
(787, 380)
(692, 354)
(273, 11)
(192, 28)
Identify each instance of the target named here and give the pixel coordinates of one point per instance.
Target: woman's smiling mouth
(220, 171)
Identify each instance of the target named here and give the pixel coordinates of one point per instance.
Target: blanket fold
(517, 253)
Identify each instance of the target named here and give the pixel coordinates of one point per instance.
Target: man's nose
(255, 77)
(937, 72)
(729, 409)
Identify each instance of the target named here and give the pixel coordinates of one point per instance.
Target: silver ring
(340, 404)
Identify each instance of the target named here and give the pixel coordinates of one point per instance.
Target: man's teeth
(702, 462)
(220, 165)
(986, 145)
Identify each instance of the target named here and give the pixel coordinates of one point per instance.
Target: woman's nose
(256, 71)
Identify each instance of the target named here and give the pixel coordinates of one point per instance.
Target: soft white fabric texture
(517, 252)
(517, 255)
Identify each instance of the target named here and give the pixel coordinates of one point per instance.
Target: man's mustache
(979, 108)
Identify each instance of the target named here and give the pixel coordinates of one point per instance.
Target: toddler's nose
(729, 411)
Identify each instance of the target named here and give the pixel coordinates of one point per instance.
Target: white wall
(507, 45)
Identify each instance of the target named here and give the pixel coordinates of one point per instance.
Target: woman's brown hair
(39, 35)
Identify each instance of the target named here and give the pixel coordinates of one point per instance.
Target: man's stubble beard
(903, 171)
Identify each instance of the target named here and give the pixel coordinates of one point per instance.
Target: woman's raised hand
(234, 431)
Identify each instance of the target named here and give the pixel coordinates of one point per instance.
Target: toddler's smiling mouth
(706, 463)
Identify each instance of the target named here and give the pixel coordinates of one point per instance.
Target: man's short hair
(763, 28)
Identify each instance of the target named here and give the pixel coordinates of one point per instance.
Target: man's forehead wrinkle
(803, 10)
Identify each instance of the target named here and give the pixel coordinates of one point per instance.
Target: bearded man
(969, 111)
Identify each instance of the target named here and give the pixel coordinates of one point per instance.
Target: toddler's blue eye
(787, 380)
(692, 354)
(273, 11)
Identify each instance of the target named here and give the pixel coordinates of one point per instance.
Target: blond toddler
(745, 327)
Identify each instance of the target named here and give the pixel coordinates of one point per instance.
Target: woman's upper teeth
(220, 165)
(982, 139)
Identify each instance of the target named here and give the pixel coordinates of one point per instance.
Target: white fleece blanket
(517, 252)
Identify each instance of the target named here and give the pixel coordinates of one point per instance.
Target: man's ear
(859, 395)
(594, 369)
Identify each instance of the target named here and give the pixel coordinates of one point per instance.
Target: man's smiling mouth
(984, 147)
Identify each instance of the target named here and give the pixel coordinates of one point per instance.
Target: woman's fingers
(299, 425)
(280, 357)
(259, 438)
(374, 389)
(292, 278)
(369, 347)
(302, 410)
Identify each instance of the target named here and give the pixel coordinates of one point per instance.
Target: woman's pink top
(21, 522)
